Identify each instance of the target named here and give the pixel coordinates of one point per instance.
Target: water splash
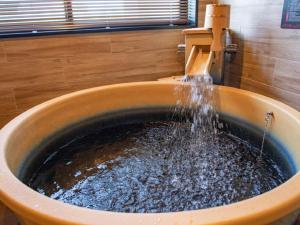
(197, 104)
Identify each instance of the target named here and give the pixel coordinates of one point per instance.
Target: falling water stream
(268, 121)
(186, 157)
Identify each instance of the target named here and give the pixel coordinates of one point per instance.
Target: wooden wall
(269, 58)
(33, 70)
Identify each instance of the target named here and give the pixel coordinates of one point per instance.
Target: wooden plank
(2, 53)
(32, 72)
(7, 102)
(55, 47)
(287, 97)
(287, 75)
(146, 41)
(31, 95)
(40, 68)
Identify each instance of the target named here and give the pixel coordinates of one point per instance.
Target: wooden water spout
(199, 62)
(205, 47)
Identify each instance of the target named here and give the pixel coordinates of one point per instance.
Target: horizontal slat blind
(46, 15)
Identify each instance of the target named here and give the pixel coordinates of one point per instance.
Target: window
(52, 16)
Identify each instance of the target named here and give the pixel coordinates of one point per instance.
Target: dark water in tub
(146, 161)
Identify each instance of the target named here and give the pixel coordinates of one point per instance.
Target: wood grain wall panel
(145, 41)
(36, 69)
(78, 68)
(256, 47)
(55, 47)
(269, 57)
(288, 97)
(119, 67)
(287, 75)
(2, 53)
(258, 67)
(7, 101)
(26, 73)
(275, 42)
(31, 95)
(4, 119)
(7, 105)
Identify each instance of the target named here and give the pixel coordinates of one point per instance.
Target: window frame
(69, 19)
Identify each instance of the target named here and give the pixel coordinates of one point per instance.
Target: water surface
(151, 162)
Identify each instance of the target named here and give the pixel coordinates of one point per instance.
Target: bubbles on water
(197, 103)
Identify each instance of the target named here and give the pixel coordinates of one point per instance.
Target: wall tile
(287, 97)
(287, 75)
(55, 47)
(2, 53)
(7, 101)
(146, 41)
(269, 56)
(32, 72)
(32, 95)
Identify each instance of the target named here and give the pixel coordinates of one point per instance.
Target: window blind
(50, 15)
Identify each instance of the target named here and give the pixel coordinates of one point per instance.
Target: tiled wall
(269, 57)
